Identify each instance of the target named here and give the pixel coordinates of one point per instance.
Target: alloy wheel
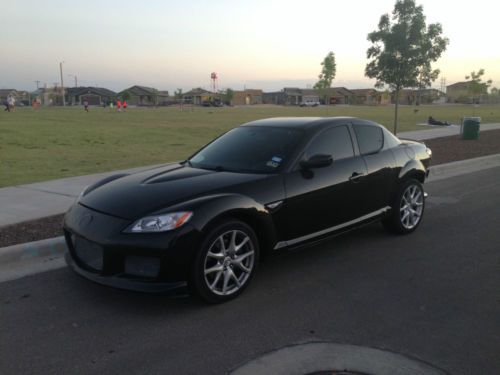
(411, 206)
(229, 262)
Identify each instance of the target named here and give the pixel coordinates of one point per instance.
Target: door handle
(356, 176)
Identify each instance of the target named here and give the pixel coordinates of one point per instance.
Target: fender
(411, 168)
(212, 208)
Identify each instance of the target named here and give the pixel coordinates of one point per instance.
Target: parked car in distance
(267, 185)
(309, 103)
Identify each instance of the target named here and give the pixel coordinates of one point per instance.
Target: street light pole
(62, 84)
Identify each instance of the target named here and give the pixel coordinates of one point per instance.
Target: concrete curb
(31, 258)
(457, 168)
(315, 357)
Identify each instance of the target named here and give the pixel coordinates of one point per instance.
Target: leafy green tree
(403, 49)
(228, 96)
(476, 85)
(327, 75)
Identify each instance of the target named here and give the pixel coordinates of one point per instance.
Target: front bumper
(146, 262)
(123, 282)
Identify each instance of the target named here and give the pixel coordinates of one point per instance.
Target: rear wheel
(226, 262)
(407, 208)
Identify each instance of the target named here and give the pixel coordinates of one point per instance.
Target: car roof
(305, 123)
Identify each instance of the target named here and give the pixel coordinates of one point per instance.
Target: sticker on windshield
(274, 162)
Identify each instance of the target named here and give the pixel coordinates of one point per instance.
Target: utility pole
(76, 79)
(37, 84)
(62, 84)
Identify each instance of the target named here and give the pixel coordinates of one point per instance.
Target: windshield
(249, 150)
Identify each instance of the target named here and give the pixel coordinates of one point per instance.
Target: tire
(226, 262)
(407, 208)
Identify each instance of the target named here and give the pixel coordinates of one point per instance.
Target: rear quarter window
(370, 138)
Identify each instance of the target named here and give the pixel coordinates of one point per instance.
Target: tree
(476, 85)
(327, 75)
(228, 96)
(178, 94)
(403, 50)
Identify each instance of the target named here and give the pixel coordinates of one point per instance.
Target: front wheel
(407, 208)
(226, 262)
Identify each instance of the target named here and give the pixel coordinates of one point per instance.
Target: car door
(379, 162)
(321, 198)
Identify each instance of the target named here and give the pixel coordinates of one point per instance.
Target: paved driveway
(433, 295)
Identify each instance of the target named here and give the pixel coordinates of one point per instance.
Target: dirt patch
(448, 149)
(34, 230)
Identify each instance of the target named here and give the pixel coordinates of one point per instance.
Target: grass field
(59, 142)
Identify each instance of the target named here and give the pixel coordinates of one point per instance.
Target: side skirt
(339, 227)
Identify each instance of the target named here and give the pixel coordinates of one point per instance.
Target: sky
(264, 44)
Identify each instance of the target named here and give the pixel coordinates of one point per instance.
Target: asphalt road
(433, 295)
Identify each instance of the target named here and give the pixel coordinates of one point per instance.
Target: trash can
(470, 127)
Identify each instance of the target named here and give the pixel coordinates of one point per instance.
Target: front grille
(88, 253)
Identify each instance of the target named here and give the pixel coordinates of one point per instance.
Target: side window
(336, 142)
(370, 138)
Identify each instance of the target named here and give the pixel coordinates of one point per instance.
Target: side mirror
(317, 161)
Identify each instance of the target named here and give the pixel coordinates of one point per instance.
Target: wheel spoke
(227, 276)
(242, 243)
(242, 257)
(215, 255)
(242, 267)
(417, 196)
(216, 280)
(232, 244)
(234, 277)
(221, 243)
(216, 268)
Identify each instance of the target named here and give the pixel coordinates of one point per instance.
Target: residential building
(460, 92)
(93, 95)
(247, 97)
(199, 96)
(290, 96)
(144, 96)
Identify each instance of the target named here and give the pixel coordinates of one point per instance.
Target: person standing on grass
(11, 103)
(6, 103)
(86, 105)
(119, 105)
(124, 106)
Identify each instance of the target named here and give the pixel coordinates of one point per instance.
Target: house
(93, 95)
(337, 95)
(368, 97)
(419, 96)
(199, 96)
(460, 92)
(144, 96)
(247, 97)
(290, 96)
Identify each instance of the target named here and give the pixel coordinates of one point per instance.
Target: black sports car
(263, 186)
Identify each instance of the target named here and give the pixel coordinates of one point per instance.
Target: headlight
(160, 223)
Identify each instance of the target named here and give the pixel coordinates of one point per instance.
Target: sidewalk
(34, 201)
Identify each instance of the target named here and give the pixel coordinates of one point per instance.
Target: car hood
(137, 195)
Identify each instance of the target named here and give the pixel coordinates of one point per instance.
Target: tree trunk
(396, 112)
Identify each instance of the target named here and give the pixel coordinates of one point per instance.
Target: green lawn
(59, 142)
